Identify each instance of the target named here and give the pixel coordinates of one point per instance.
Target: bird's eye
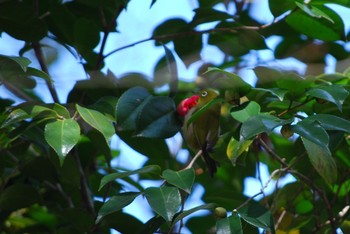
(204, 93)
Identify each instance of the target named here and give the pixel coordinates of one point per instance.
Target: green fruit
(286, 131)
(220, 212)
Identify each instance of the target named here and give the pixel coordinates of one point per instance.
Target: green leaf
(152, 225)
(129, 106)
(154, 169)
(333, 93)
(277, 92)
(180, 216)
(267, 77)
(230, 224)
(158, 119)
(61, 111)
(228, 80)
(312, 131)
(18, 196)
(62, 136)
(23, 112)
(181, 179)
(23, 62)
(39, 73)
(158, 148)
(237, 148)
(165, 201)
(116, 203)
(252, 109)
(331, 122)
(258, 216)
(97, 120)
(321, 159)
(261, 123)
(208, 14)
(86, 35)
(278, 7)
(318, 28)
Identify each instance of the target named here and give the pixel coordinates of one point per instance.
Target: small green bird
(203, 132)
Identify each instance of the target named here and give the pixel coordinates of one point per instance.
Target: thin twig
(193, 32)
(307, 181)
(39, 55)
(107, 30)
(84, 188)
(199, 153)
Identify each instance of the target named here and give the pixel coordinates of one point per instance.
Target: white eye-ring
(204, 93)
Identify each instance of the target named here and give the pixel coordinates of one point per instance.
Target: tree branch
(307, 181)
(107, 30)
(193, 32)
(39, 55)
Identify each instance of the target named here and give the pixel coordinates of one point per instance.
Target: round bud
(286, 131)
(220, 212)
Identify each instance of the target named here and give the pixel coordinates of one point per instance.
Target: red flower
(186, 104)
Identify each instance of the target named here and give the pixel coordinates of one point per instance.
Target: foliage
(56, 158)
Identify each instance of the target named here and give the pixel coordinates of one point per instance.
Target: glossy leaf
(183, 214)
(279, 93)
(61, 111)
(321, 159)
(237, 148)
(97, 120)
(252, 109)
(333, 93)
(279, 7)
(261, 123)
(129, 106)
(116, 203)
(183, 179)
(165, 201)
(62, 136)
(331, 122)
(154, 169)
(228, 80)
(258, 216)
(231, 224)
(158, 119)
(312, 131)
(318, 28)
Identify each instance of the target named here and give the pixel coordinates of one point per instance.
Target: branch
(84, 188)
(307, 181)
(199, 153)
(106, 31)
(191, 33)
(39, 55)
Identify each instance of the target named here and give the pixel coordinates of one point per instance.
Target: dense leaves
(284, 94)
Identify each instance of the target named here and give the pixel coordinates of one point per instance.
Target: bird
(203, 132)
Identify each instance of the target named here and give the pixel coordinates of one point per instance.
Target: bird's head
(206, 95)
(200, 99)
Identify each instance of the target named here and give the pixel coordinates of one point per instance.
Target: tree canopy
(56, 158)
